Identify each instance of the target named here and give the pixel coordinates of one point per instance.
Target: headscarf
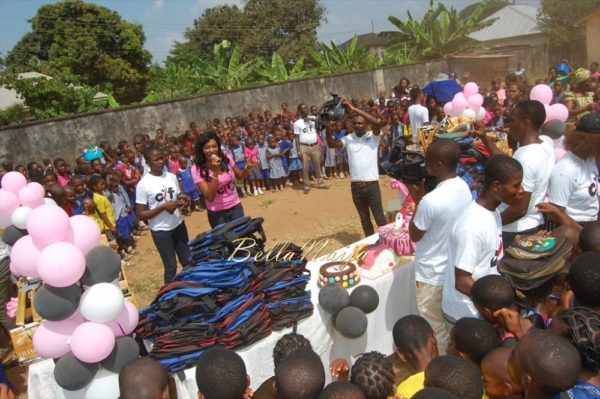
(579, 76)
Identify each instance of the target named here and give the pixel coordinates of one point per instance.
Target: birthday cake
(395, 236)
(343, 273)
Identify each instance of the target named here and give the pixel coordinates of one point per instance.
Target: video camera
(407, 166)
(331, 110)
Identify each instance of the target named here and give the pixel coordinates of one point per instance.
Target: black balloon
(365, 298)
(351, 322)
(56, 304)
(72, 374)
(125, 350)
(333, 298)
(12, 234)
(102, 265)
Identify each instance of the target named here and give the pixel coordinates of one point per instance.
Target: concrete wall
(66, 137)
(592, 33)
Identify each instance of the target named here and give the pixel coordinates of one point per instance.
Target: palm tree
(439, 33)
(334, 59)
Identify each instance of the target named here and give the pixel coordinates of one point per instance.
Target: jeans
(216, 218)
(367, 195)
(311, 153)
(169, 243)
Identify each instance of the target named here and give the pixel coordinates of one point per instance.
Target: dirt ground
(289, 215)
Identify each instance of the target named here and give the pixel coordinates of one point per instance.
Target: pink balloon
(548, 113)
(559, 153)
(48, 224)
(560, 112)
(32, 195)
(13, 182)
(13, 269)
(24, 256)
(8, 201)
(85, 233)
(470, 89)
(61, 264)
(459, 103)
(448, 108)
(475, 102)
(541, 93)
(126, 322)
(51, 338)
(92, 342)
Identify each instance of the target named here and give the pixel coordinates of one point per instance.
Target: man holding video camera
(431, 226)
(362, 147)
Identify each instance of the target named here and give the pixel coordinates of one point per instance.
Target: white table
(396, 299)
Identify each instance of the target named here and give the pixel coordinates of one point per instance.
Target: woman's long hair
(199, 158)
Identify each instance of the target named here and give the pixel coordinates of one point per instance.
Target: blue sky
(165, 21)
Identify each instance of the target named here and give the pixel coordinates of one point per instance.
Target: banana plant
(333, 59)
(277, 71)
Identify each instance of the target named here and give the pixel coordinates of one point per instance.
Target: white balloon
(102, 303)
(20, 215)
(104, 385)
(480, 114)
(469, 113)
(49, 201)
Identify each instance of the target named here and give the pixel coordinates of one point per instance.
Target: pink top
(226, 196)
(251, 154)
(63, 180)
(173, 165)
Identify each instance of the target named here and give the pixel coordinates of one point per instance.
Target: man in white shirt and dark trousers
(156, 201)
(475, 244)
(308, 147)
(537, 158)
(363, 147)
(417, 113)
(430, 228)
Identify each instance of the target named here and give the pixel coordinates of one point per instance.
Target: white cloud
(157, 5)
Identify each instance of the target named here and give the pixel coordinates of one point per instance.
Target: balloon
(559, 153)
(333, 298)
(102, 265)
(475, 101)
(92, 342)
(541, 93)
(51, 338)
(86, 233)
(57, 304)
(72, 374)
(4, 221)
(448, 108)
(125, 322)
(548, 113)
(12, 234)
(8, 201)
(48, 224)
(125, 350)
(559, 111)
(102, 303)
(459, 103)
(469, 113)
(32, 195)
(13, 182)
(25, 255)
(61, 264)
(471, 89)
(49, 201)
(104, 385)
(351, 322)
(365, 298)
(480, 114)
(14, 270)
(20, 215)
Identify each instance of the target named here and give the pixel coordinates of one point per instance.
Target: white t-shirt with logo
(362, 156)
(306, 131)
(436, 215)
(537, 161)
(575, 185)
(154, 191)
(475, 246)
(418, 115)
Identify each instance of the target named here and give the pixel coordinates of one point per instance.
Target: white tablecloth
(396, 299)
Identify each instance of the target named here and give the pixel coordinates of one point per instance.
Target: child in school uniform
(121, 209)
(263, 161)
(295, 166)
(239, 157)
(276, 171)
(187, 185)
(105, 216)
(254, 176)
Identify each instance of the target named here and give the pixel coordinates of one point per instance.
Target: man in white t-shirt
(308, 146)
(417, 113)
(537, 158)
(475, 244)
(430, 228)
(156, 201)
(363, 147)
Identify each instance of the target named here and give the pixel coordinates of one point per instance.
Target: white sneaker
(255, 193)
(260, 191)
(342, 176)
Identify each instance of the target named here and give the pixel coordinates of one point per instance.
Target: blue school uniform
(284, 145)
(238, 156)
(77, 207)
(120, 204)
(187, 183)
(295, 163)
(264, 162)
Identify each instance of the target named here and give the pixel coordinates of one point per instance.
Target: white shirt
(418, 115)
(306, 131)
(436, 215)
(475, 246)
(154, 191)
(362, 156)
(537, 161)
(575, 185)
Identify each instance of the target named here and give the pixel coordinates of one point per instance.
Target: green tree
(439, 33)
(88, 43)
(277, 71)
(173, 81)
(489, 7)
(334, 59)
(557, 20)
